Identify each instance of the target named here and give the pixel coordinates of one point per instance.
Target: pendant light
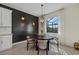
(42, 16)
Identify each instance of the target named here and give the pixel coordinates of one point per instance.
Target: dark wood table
(45, 37)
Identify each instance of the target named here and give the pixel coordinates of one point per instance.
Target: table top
(45, 37)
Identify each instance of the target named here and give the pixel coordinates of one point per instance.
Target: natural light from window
(52, 25)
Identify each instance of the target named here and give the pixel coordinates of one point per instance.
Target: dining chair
(42, 45)
(55, 42)
(30, 41)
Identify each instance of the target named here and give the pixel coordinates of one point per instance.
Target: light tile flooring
(70, 50)
(21, 49)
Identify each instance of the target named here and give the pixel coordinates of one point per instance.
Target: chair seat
(42, 46)
(30, 40)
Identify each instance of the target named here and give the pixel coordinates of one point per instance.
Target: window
(52, 25)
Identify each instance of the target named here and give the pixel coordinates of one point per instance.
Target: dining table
(45, 37)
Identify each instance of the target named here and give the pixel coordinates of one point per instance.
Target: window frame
(52, 27)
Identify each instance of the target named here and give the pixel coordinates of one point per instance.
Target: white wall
(69, 22)
(71, 25)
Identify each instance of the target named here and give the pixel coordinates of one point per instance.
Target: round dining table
(45, 37)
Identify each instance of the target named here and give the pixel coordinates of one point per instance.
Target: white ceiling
(35, 8)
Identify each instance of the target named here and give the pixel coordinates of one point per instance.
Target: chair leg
(58, 45)
(46, 52)
(38, 52)
(27, 46)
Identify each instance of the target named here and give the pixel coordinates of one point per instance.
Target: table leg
(27, 45)
(48, 45)
(36, 45)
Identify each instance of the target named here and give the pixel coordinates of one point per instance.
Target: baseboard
(19, 42)
(66, 45)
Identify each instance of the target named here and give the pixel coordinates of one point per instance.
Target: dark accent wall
(25, 27)
(22, 28)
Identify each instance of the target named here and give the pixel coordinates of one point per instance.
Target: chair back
(27, 37)
(42, 44)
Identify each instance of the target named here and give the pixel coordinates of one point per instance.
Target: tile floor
(21, 49)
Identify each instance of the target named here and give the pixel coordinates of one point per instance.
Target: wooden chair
(30, 41)
(42, 45)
